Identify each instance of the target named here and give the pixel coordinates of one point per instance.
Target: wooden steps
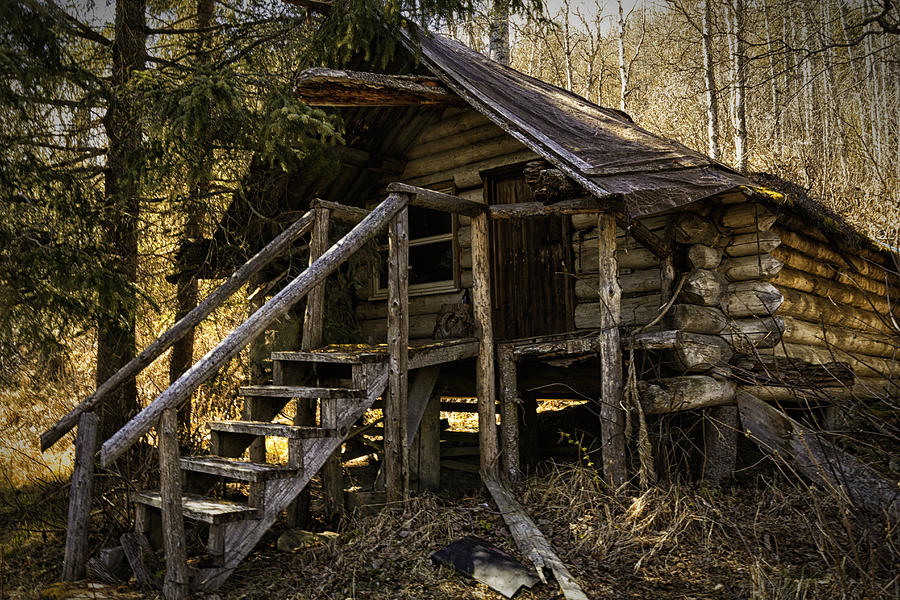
(264, 428)
(236, 469)
(202, 508)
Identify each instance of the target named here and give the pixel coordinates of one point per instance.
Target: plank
(78, 524)
(816, 458)
(235, 468)
(187, 323)
(292, 391)
(181, 390)
(141, 558)
(530, 541)
(201, 508)
(264, 428)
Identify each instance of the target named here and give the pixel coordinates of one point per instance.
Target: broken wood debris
(530, 540)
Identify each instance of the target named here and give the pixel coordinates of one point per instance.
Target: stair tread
(290, 391)
(236, 469)
(202, 508)
(270, 429)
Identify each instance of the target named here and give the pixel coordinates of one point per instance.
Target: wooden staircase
(236, 527)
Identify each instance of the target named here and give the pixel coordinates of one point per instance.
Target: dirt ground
(764, 537)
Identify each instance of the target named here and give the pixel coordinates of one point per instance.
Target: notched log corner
(548, 184)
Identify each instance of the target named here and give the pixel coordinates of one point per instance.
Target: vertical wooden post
(612, 416)
(79, 523)
(313, 326)
(721, 426)
(425, 452)
(509, 411)
(484, 376)
(176, 584)
(396, 446)
(258, 352)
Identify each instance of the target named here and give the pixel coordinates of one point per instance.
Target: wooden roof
(599, 148)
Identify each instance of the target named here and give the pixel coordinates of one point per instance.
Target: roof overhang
(331, 87)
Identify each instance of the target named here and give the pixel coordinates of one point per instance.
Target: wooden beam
(181, 390)
(420, 392)
(817, 459)
(612, 417)
(531, 542)
(426, 198)
(484, 369)
(331, 87)
(176, 585)
(275, 248)
(509, 411)
(396, 445)
(79, 523)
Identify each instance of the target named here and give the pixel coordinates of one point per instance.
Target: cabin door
(532, 292)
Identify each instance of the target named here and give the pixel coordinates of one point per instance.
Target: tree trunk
(122, 122)
(182, 356)
(739, 82)
(623, 67)
(499, 33)
(712, 100)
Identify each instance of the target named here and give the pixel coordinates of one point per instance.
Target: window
(433, 255)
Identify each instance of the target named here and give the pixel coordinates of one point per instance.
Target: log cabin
(524, 242)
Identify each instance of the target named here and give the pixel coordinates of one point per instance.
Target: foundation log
(687, 392)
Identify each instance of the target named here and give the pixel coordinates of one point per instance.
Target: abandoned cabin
(537, 246)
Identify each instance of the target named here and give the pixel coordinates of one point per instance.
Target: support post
(313, 326)
(425, 453)
(612, 416)
(484, 376)
(509, 411)
(721, 428)
(396, 445)
(176, 583)
(79, 523)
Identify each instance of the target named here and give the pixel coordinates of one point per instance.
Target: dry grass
(766, 538)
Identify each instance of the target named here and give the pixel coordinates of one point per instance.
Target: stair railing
(86, 439)
(161, 412)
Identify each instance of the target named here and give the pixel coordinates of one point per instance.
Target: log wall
(456, 148)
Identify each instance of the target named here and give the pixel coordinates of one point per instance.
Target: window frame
(432, 287)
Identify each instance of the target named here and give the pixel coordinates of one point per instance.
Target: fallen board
(818, 460)
(530, 540)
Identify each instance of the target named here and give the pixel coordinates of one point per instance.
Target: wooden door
(533, 291)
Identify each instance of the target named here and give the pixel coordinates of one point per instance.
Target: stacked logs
(839, 306)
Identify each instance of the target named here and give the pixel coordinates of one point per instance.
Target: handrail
(182, 327)
(181, 389)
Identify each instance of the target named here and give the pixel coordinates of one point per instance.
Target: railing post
(79, 522)
(612, 417)
(176, 583)
(396, 445)
(484, 377)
